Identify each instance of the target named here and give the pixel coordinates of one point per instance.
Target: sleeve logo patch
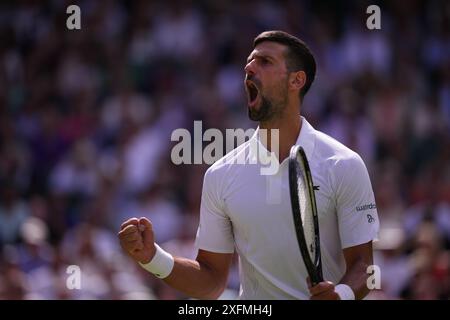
(366, 207)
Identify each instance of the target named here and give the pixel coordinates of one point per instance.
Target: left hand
(322, 291)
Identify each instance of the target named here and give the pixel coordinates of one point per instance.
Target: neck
(289, 125)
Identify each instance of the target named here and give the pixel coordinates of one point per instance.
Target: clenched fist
(137, 239)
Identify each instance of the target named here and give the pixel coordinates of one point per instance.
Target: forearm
(195, 279)
(356, 277)
(203, 278)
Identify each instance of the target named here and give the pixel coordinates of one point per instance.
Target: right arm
(203, 278)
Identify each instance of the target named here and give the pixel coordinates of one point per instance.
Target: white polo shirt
(244, 210)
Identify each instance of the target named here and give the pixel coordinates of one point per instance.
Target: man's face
(266, 81)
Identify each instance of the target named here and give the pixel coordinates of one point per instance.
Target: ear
(297, 80)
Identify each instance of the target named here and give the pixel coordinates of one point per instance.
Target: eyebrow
(259, 55)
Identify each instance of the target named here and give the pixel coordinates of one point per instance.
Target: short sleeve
(355, 203)
(214, 232)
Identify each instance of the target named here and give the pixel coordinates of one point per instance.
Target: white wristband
(161, 265)
(344, 292)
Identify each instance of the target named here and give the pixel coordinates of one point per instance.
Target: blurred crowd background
(86, 118)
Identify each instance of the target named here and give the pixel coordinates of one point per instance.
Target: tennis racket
(304, 211)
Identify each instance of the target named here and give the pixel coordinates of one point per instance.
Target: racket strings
(306, 213)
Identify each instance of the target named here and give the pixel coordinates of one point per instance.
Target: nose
(250, 68)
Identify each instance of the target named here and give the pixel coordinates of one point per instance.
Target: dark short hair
(298, 56)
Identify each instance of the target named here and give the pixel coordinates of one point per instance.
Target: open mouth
(252, 92)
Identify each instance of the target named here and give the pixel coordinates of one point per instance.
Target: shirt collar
(306, 139)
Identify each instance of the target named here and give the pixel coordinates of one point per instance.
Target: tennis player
(237, 212)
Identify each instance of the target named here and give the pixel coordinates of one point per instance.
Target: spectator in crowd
(86, 118)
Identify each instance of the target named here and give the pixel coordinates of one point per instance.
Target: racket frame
(314, 268)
